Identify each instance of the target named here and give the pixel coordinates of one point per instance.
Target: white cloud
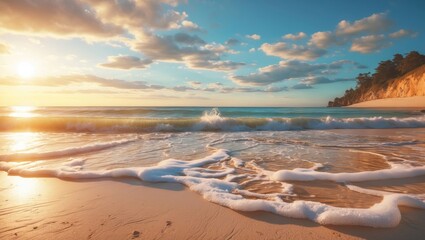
(89, 19)
(370, 43)
(323, 39)
(286, 70)
(190, 25)
(346, 32)
(375, 23)
(252, 50)
(403, 33)
(295, 37)
(195, 56)
(194, 84)
(232, 42)
(253, 37)
(125, 62)
(292, 51)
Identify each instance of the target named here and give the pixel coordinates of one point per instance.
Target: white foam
(229, 194)
(305, 174)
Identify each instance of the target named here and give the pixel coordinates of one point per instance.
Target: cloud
(275, 89)
(90, 84)
(219, 87)
(292, 51)
(375, 23)
(302, 86)
(66, 80)
(194, 84)
(403, 33)
(187, 39)
(216, 65)
(295, 37)
(346, 32)
(253, 37)
(4, 49)
(59, 18)
(191, 26)
(125, 62)
(324, 80)
(286, 70)
(309, 82)
(232, 42)
(182, 88)
(370, 43)
(195, 55)
(140, 14)
(252, 50)
(268, 89)
(89, 19)
(323, 39)
(165, 96)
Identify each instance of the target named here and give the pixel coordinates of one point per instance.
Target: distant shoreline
(407, 102)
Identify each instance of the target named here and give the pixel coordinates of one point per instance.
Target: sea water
(339, 166)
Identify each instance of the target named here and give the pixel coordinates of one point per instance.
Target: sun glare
(25, 188)
(25, 70)
(22, 111)
(22, 141)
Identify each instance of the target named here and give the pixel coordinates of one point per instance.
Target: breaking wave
(210, 121)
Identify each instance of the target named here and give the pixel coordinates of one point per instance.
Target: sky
(197, 52)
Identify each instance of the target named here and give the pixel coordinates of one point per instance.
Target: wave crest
(210, 121)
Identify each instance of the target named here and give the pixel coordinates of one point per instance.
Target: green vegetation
(386, 72)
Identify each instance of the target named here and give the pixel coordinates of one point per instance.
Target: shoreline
(42, 208)
(408, 102)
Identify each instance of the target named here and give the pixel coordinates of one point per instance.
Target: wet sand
(47, 208)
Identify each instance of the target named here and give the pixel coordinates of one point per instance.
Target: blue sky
(197, 53)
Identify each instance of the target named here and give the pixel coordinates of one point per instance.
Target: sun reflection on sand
(22, 111)
(24, 187)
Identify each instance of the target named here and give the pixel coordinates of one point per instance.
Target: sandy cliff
(410, 85)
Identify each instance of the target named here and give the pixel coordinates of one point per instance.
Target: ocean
(341, 166)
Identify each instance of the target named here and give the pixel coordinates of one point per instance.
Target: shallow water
(321, 172)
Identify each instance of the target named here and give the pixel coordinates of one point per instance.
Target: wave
(224, 191)
(210, 121)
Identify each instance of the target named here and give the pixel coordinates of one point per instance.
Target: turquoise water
(195, 119)
(231, 112)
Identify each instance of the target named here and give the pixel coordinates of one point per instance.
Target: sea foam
(215, 187)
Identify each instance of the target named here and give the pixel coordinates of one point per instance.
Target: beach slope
(45, 208)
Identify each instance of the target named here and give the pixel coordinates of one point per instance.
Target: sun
(25, 69)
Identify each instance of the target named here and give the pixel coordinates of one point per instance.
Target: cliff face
(409, 85)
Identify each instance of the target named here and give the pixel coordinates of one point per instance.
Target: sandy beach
(413, 102)
(46, 208)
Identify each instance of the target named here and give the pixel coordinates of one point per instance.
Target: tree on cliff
(385, 72)
(411, 61)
